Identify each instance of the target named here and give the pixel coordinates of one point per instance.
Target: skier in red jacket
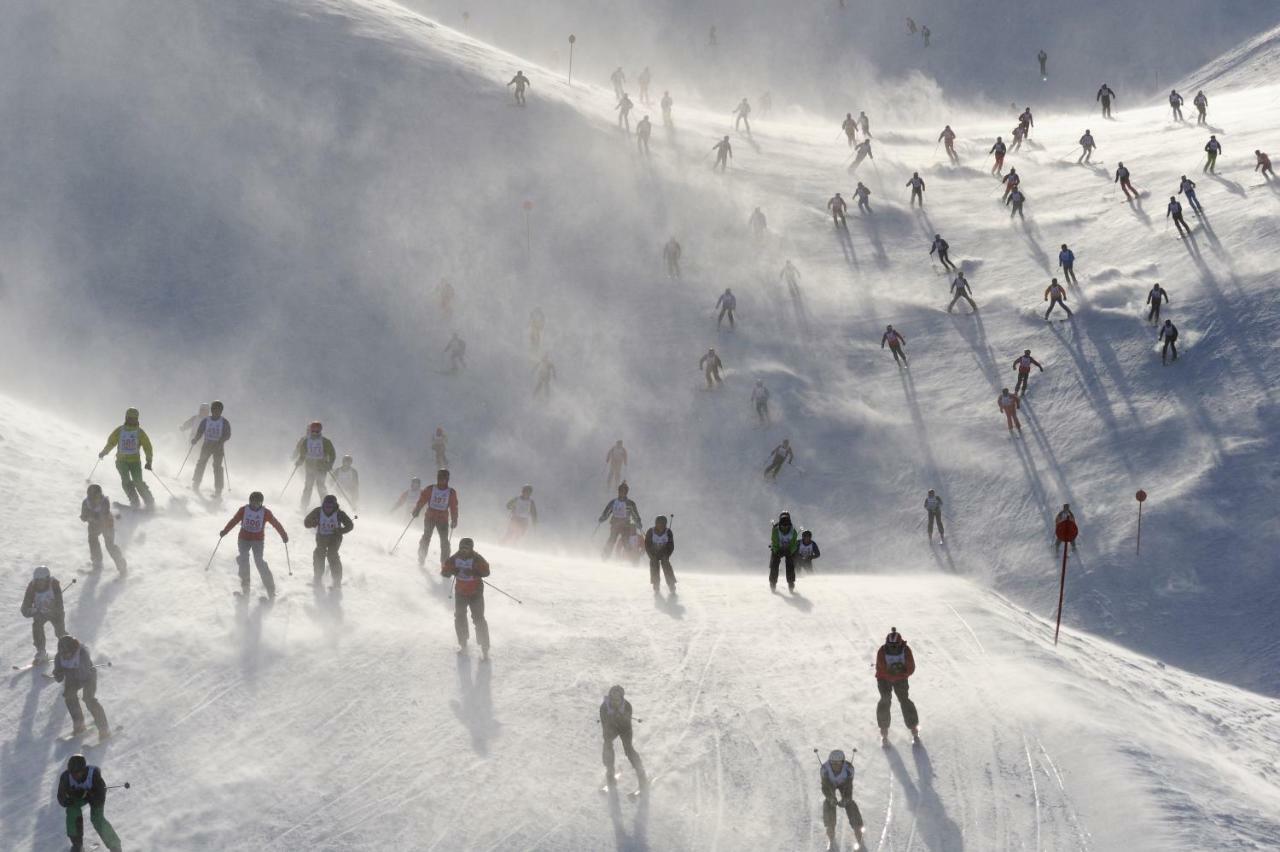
(894, 665)
(442, 515)
(468, 569)
(253, 519)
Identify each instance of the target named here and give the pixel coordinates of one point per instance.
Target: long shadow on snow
(669, 605)
(846, 246)
(917, 421)
(937, 830)
(1229, 185)
(872, 224)
(1032, 235)
(92, 604)
(970, 327)
(1091, 386)
(638, 840)
(1033, 478)
(1135, 204)
(475, 706)
(23, 748)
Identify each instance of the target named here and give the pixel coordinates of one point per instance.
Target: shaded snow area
(257, 201)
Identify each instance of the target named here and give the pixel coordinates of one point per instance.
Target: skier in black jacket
(659, 544)
(79, 785)
(806, 551)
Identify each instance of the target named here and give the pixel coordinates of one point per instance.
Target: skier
(758, 223)
(441, 502)
(330, 524)
(911, 26)
(1263, 165)
(1155, 298)
(1009, 404)
(917, 189)
(317, 453)
(79, 785)
(924, 31)
(837, 206)
(1168, 334)
(544, 373)
(933, 508)
(1174, 211)
(623, 517)
(130, 442)
(1122, 178)
(537, 322)
(895, 339)
(1022, 365)
(861, 152)
(1105, 95)
(643, 80)
(781, 455)
(837, 793)
(1019, 134)
(724, 153)
(666, 109)
(468, 569)
(216, 431)
(671, 256)
(42, 603)
(941, 246)
(253, 519)
(659, 544)
(1010, 181)
(456, 349)
(1187, 187)
(347, 479)
(725, 304)
(522, 513)
(960, 290)
(189, 425)
(760, 398)
(791, 275)
(1055, 294)
(784, 541)
(1026, 121)
(73, 668)
(1213, 148)
(520, 82)
(616, 458)
(440, 447)
(1175, 103)
(864, 124)
(618, 78)
(1065, 515)
(445, 294)
(711, 37)
(710, 365)
(643, 128)
(850, 128)
(863, 194)
(1087, 146)
(894, 666)
(410, 496)
(948, 139)
(1043, 58)
(1067, 261)
(741, 111)
(1202, 105)
(806, 551)
(615, 723)
(998, 150)
(95, 510)
(624, 112)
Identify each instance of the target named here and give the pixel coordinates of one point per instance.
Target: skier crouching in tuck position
(615, 723)
(837, 792)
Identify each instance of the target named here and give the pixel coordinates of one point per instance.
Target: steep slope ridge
(347, 723)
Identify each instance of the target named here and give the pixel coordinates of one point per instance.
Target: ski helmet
(330, 500)
(131, 414)
(41, 573)
(256, 497)
(94, 490)
(784, 519)
(623, 488)
(526, 489)
(314, 426)
(77, 763)
(1026, 351)
(466, 544)
(216, 405)
(204, 408)
(930, 492)
(346, 459)
(808, 533)
(894, 638)
(67, 644)
(1004, 390)
(616, 691)
(417, 480)
(661, 519)
(442, 473)
(836, 756)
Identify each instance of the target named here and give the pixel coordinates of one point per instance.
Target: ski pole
(289, 480)
(341, 490)
(226, 469)
(452, 584)
(157, 478)
(125, 786)
(499, 591)
(184, 461)
(215, 553)
(412, 518)
(287, 561)
(94, 470)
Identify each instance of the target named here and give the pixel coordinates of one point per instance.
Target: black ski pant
(887, 690)
(1177, 113)
(619, 536)
(1106, 107)
(723, 313)
(441, 529)
(1069, 273)
(960, 296)
(712, 375)
(73, 691)
(108, 535)
(1153, 315)
(254, 547)
(916, 195)
(936, 517)
(946, 261)
(776, 559)
(829, 807)
(1181, 225)
(38, 621)
(1021, 384)
(475, 602)
(210, 450)
(1127, 188)
(762, 410)
(622, 732)
(663, 562)
(316, 473)
(1169, 345)
(863, 205)
(898, 355)
(326, 548)
(803, 564)
(1053, 303)
(1200, 115)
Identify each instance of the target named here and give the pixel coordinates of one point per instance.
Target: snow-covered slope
(348, 723)
(1255, 61)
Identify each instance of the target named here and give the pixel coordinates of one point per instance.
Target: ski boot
(915, 735)
(484, 655)
(40, 658)
(884, 737)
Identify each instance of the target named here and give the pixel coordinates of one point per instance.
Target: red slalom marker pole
(1142, 498)
(1066, 531)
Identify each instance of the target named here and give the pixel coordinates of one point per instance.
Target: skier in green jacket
(130, 442)
(317, 453)
(784, 541)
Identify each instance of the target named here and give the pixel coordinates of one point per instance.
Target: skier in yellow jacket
(130, 442)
